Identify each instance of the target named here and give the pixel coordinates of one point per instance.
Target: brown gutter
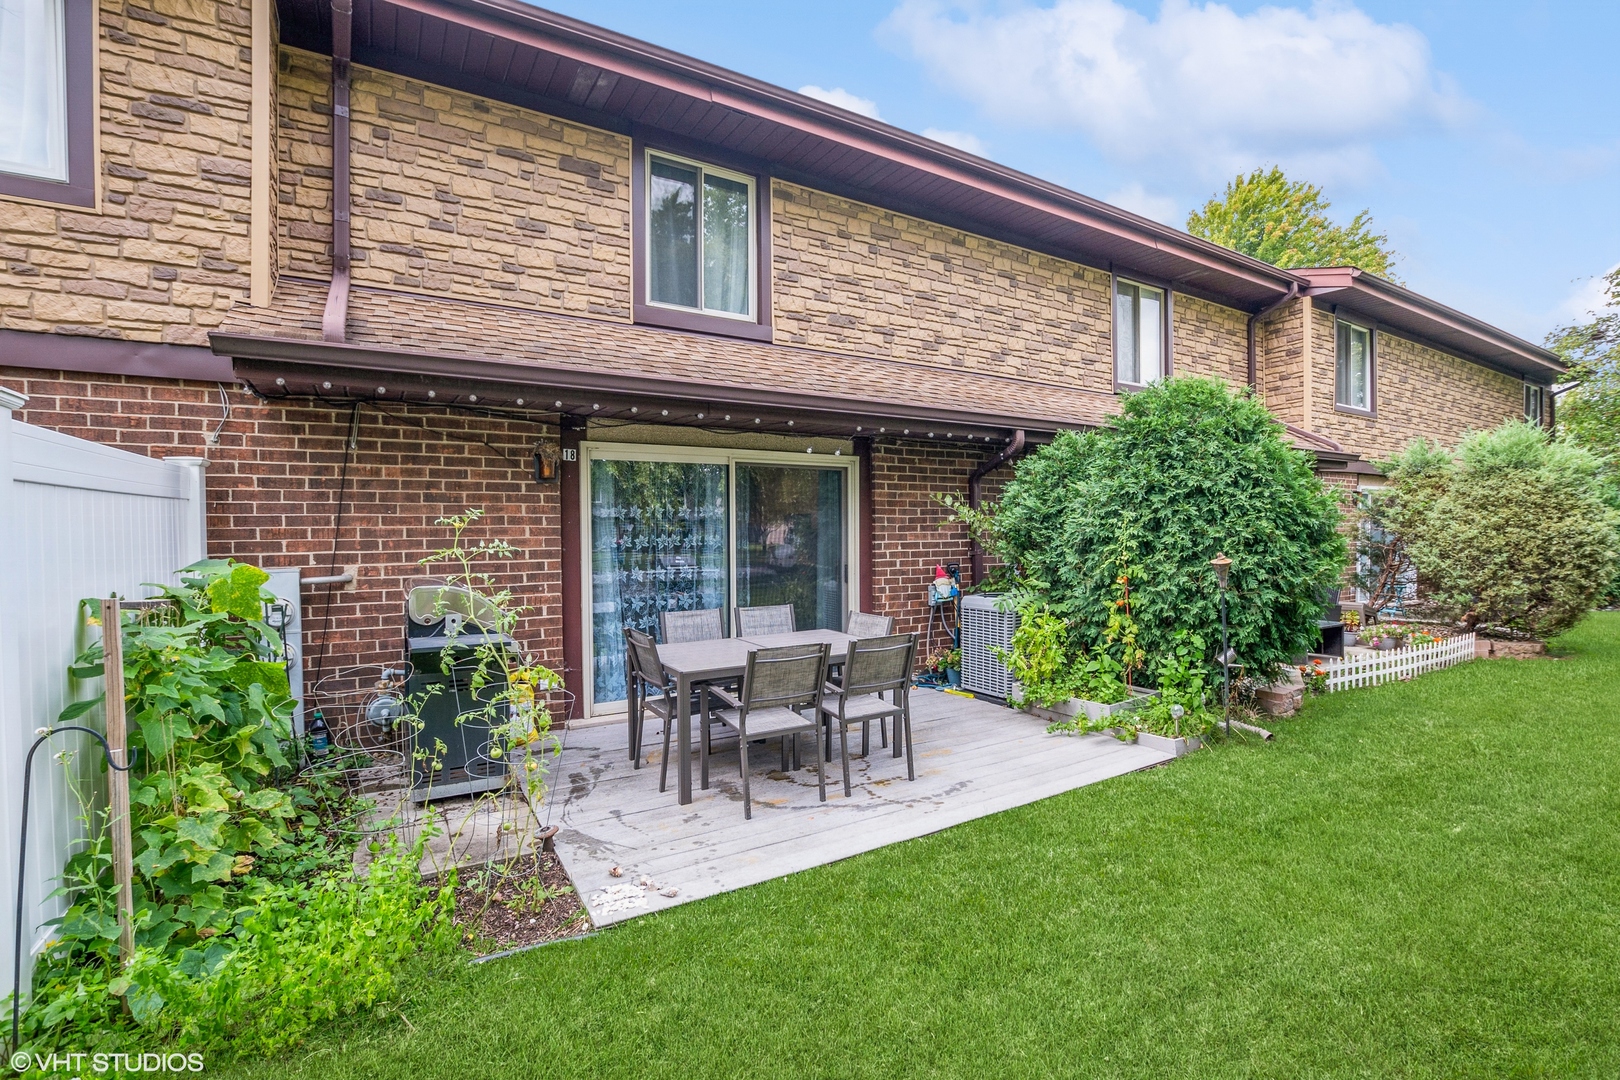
(335, 320)
(1293, 292)
(1013, 450)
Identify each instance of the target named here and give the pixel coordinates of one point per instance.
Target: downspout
(1292, 294)
(335, 321)
(1014, 449)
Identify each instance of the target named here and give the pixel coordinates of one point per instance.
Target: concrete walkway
(974, 758)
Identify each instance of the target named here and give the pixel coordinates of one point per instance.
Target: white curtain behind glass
(33, 89)
(725, 245)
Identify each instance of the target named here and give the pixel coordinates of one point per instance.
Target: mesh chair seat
(766, 723)
(859, 708)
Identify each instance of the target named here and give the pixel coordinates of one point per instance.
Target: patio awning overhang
(1432, 322)
(420, 348)
(512, 51)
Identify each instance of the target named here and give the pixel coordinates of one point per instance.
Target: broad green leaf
(237, 593)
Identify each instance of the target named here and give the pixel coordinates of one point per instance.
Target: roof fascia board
(1345, 287)
(374, 358)
(549, 33)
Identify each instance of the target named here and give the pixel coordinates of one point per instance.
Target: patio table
(720, 660)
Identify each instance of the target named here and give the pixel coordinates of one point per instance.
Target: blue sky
(1483, 136)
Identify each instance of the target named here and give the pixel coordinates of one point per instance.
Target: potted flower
(1352, 624)
(947, 666)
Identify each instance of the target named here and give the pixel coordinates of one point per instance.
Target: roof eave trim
(686, 75)
(372, 358)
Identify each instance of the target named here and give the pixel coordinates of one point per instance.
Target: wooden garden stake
(112, 648)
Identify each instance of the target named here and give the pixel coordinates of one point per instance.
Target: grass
(1417, 880)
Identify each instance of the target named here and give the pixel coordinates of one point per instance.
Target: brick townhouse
(383, 260)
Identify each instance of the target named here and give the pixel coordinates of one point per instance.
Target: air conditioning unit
(984, 629)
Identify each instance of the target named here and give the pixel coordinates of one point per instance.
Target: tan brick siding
(855, 278)
(1209, 339)
(457, 195)
(1421, 392)
(273, 485)
(1279, 362)
(167, 254)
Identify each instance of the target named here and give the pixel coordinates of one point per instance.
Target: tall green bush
(1511, 532)
(1188, 469)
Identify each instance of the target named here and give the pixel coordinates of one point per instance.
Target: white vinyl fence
(1370, 669)
(77, 520)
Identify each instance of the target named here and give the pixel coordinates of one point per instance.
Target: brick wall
(856, 278)
(455, 194)
(273, 484)
(1420, 392)
(167, 253)
(912, 532)
(1209, 339)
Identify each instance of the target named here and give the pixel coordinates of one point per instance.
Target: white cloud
(1138, 200)
(843, 99)
(962, 140)
(1200, 85)
(1588, 297)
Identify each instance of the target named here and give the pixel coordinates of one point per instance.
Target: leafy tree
(1591, 412)
(1285, 222)
(1187, 470)
(1510, 532)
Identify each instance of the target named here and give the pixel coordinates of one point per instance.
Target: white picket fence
(1370, 669)
(77, 519)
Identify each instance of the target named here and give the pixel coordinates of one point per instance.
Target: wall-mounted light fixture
(547, 463)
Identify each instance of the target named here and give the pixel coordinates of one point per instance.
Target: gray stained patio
(974, 758)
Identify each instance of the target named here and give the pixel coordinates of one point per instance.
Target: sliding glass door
(790, 541)
(677, 530)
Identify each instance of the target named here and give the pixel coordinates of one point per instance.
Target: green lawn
(1417, 880)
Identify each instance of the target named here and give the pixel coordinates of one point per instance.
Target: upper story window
(1535, 403)
(47, 86)
(1353, 378)
(700, 238)
(1139, 333)
(33, 82)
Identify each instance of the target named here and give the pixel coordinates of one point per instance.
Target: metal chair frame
(872, 668)
(758, 621)
(698, 624)
(777, 685)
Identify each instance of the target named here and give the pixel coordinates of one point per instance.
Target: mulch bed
(494, 915)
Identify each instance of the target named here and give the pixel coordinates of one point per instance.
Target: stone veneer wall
(1279, 362)
(273, 484)
(167, 253)
(1421, 392)
(456, 194)
(856, 278)
(1209, 339)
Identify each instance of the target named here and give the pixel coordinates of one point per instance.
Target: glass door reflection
(791, 542)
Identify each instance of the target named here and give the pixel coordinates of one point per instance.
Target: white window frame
(1537, 394)
(610, 451)
(1164, 331)
(1339, 389)
(703, 169)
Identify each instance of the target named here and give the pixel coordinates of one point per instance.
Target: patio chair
(703, 624)
(758, 621)
(647, 679)
(777, 684)
(859, 624)
(872, 667)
